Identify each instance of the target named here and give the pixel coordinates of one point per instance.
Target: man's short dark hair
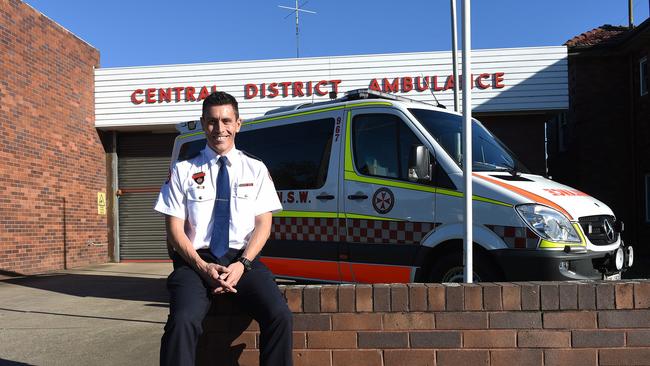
(221, 98)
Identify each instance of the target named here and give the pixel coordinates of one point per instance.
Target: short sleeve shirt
(191, 190)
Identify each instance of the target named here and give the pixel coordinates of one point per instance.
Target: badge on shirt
(198, 177)
(246, 185)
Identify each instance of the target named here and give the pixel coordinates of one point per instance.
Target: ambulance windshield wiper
(511, 168)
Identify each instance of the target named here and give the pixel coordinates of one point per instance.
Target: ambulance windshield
(489, 154)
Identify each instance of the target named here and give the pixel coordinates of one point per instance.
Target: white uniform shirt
(187, 197)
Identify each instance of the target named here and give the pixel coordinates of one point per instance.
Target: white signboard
(504, 80)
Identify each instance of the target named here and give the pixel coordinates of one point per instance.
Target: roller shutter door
(143, 163)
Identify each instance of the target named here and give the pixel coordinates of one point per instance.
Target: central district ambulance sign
(504, 80)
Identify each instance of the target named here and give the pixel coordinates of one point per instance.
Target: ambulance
(371, 185)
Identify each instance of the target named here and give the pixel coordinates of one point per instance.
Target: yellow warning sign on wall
(101, 203)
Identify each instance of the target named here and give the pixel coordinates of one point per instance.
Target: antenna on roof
(428, 84)
(297, 11)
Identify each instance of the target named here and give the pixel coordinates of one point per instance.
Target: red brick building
(602, 146)
(52, 163)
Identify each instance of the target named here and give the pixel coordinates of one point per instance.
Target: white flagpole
(454, 53)
(467, 139)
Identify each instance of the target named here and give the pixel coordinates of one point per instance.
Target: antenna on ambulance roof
(438, 104)
(297, 11)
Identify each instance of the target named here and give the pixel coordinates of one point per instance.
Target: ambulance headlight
(548, 223)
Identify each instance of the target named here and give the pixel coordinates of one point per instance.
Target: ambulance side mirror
(419, 164)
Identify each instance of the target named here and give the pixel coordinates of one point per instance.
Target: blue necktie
(219, 242)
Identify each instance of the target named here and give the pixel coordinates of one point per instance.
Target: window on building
(643, 75)
(647, 197)
(305, 164)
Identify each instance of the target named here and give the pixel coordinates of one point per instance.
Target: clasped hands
(223, 279)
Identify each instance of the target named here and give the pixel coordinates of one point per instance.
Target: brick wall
(52, 163)
(540, 323)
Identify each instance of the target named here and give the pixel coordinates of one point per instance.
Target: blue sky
(147, 32)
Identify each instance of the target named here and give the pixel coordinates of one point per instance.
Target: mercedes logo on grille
(609, 230)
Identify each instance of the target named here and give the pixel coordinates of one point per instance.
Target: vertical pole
(630, 17)
(297, 34)
(454, 52)
(467, 139)
(65, 235)
(116, 200)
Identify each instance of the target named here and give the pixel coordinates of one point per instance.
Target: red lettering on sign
(498, 80)
(424, 86)
(479, 81)
(164, 95)
(285, 88)
(177, 91)
(407, 84)
(273, 90)
(317, 87)
(290, 197)
(134, 98)
(151, 95)
(204, 93)
(189, 94)
(335, 85)
(391, 87)
(449, 84)
(250, 91)
(434, 81)
(374, 85)
(297, 89)
(404, 84)
(303, 196)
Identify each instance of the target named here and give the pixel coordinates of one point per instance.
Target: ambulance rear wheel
(449, 268)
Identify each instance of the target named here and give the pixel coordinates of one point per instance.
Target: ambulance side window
(190, 149)
(382, 143)
(296, 154)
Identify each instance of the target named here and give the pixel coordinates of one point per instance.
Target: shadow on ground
(4, 362)
(99, 286)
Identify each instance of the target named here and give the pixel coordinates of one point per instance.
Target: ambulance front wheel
(449, 268)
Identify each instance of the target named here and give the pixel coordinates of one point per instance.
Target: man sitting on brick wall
(217, 242)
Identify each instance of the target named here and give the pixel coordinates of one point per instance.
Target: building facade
(602, 145)
(515, 91)
(52, 163)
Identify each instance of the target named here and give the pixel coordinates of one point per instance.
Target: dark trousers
(190, 301)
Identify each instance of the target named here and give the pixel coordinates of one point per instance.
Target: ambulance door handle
(357, 196)
(325, 196)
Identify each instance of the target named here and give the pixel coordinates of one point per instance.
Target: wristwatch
(248, 265)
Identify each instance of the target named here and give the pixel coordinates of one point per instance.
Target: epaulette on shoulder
(250, 155)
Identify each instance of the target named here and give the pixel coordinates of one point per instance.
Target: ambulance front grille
(600, 229)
